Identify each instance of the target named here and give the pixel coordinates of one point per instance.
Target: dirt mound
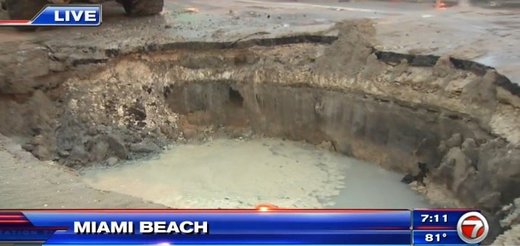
(349, 54)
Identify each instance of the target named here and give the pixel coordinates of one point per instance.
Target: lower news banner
(208, 227)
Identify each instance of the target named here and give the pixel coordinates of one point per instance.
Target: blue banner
(69, 15)
(215, 227)
(242, 227)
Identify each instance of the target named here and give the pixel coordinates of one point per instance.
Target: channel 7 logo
(62, 15)
(472, 228)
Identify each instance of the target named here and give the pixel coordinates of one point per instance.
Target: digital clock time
(434, 218)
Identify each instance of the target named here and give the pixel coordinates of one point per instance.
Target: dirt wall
(102, 106)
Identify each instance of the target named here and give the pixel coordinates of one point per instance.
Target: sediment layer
(102, 106)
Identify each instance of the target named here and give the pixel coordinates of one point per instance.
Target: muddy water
(235, 173)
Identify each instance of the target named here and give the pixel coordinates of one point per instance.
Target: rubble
(389, 108)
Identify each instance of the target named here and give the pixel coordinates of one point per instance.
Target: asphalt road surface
(488, 36)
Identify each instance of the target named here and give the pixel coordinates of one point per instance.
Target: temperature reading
(434, 238)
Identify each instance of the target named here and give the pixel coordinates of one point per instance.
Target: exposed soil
(29, 183)
(459, 117)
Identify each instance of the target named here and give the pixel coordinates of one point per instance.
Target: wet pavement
(488, 36)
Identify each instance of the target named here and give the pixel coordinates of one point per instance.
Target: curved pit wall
(458, 117)
(394, 135)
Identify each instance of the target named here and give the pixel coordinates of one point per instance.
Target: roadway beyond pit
(458, 117)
